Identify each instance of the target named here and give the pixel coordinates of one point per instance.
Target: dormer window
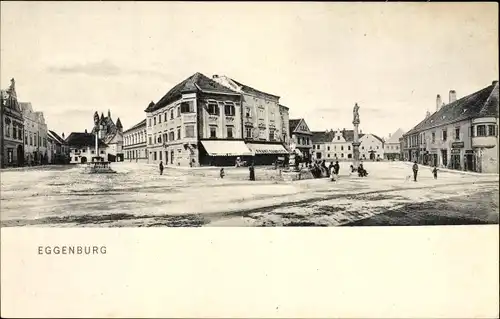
(338, 138)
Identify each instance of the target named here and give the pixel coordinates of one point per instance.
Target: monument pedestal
(355, 154)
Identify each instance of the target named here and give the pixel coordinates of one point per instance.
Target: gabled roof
(483, 103)
(57, 137)
(195, 83)
(394, 139)
(83, 140)
(141, 123)
(293, 125)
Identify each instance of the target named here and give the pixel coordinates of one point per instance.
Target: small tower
(109, 114)
(119, 125)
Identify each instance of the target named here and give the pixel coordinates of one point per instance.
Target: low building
(82, 148)
(371, 147)
(35, 135)
(135, 142)
(337, 146)
(462, 134)
(301, 138)
(112, 136)
(392, 146)
(58, 151)
(12, 132)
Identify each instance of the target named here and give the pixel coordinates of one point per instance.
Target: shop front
(266, 153)
(223, 152)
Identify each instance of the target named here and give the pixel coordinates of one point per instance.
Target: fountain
(98, 165)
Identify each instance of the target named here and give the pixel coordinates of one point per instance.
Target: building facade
(135, 142)
(35, 135)
(202, 122)
(265, 122)
(371, 147)
(301, 138)
(461, 135)
(12, 129)
(82, 148)
(392, 146)
(112, 135)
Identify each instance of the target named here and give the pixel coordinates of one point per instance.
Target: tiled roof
(395, 136)
(483, 103)
(141, 123)
(325, 137)
(57, 137)
(194, 83)
(119, 123)
(82, 139)
(251, 90)
(293, 125)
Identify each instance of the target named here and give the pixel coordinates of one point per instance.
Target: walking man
(435, 172)
(415, 171)
(161, 168)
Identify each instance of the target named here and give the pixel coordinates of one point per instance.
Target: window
(83, 150)
(187, 107)
(165, 116)
(229, 109)
(338, 138)
(348, 147)
(481, 130)
(261, 113)
(377, 147)
(178, 133)
(7, 127)
(154, 120)
(165, 137)
(149, 122)
(159, 119)
(433, 137)
(445, 135)
(26, 138)
(328, 148)
(172, 114)
(271, 135)
(171, 135)
(229, 132)
(362, 147)
(328, 155)
(102, 151)
(342, 155)
(247, 112)
(154, 156)
(349, 155)
(161, 153)
(341, 148)
(213, 131)
(248, 132)
(457, 133)
(150, 140)
(34, 139)
(159, 139)
(14, 130)
(491, 130)
(178, 111)
(189, 130)
(213, 108)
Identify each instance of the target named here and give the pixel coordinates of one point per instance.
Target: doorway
(20, 155)
(469, 162)
(83, 160)
(455, 161)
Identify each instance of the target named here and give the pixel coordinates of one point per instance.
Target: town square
(146, 134)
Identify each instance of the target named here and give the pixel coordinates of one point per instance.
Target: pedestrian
(336, 167)
(161, 168)
(435, 172)
(252, 172)
(415, 171)
(222, 173)
(332, 173)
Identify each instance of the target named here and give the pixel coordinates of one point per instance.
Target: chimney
(109, 114)
(494, 83)
(216, 76)
(438, 102)
(427, 114)
(453, 96)
(63, 135)
(85, 131)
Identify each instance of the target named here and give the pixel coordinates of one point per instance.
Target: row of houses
(24, 136)
(214, 121)
(460, 135)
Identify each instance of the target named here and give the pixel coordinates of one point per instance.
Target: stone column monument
(355, 143)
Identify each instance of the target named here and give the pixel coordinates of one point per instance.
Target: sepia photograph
(247, 115)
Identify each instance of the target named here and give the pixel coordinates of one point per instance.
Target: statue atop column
(355, 112)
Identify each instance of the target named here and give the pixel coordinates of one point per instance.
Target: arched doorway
(83, 160)
(20, 155)
(372, 156)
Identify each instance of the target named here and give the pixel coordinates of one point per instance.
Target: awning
(267, 148)
(226, 148)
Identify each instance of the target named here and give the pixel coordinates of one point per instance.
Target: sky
(70, 59)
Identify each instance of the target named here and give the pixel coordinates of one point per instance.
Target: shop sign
(469, 152)
(455, 151)
(457, 145)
